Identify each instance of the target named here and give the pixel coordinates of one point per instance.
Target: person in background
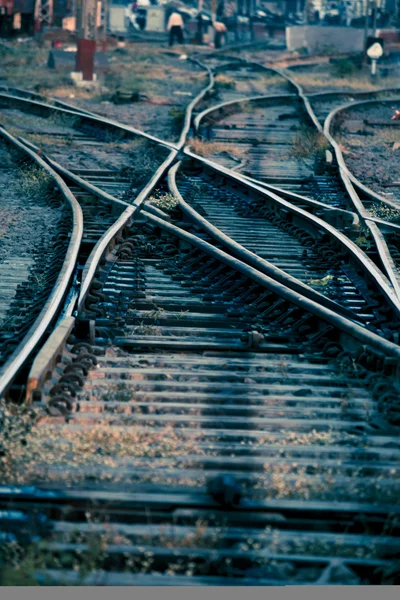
(175, 27)
(349, 14)
(220, 9)
(342, 8)
(220, 32)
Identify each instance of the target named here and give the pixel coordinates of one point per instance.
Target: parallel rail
(252, 428)
(52, 304)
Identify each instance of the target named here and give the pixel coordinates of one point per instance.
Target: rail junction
(204, 364)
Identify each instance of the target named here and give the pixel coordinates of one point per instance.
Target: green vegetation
(166, 202)
(343, 67)
(34, 182)
(386, 213)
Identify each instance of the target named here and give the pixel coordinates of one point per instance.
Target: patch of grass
(16, 424)
(308, 142)
(363, 242)
(166, 202)
(203, 148)
(385, 212)
(343, 67)
(34, 182)
(224, 82)
(323, 78)
(40, 139)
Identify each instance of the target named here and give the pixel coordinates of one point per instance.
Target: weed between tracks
(203, 148)
(91, 550)
(308, 142)
(166, 202)
(34, 182)
(224, 82)
(385, 212)
(326, 78)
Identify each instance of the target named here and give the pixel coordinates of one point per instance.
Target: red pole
(86, 29)
(85, 58)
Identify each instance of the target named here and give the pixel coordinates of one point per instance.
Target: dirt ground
(164, 82)
(372, 152)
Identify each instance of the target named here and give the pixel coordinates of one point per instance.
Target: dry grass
(34, 182)
(385, 212)
(166, 202)
(388, 136)
(8, 218)
(308, 142)
(203, 148)
(225, 82)
(359, 82)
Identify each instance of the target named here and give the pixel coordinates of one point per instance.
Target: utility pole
(366, 32)
(199, 22)
(86, 21)
(214, 10)
(375, 16)
(103, 24)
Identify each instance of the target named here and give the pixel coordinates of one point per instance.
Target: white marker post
(374, 52)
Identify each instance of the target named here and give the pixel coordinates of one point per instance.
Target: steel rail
(105, 242)
(244, 254)
(344, 324)
(133, 210)
(340, 213)
(350, 181)
(193, 103)
(350, 246)
(25, 103)
(328, 131)
(56, 297)
(54, 103)
(250, 258)
(101, 247)
(223, 105)
(105, 196)
(22, 93)
(70, 176)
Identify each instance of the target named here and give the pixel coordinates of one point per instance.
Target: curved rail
(250, 258)
(343, 240)
(20, 92)
(194, 102)
(348, 327)
(348, 179)
(102, 245)
(53, 302)
(102, 122)
(328, 126)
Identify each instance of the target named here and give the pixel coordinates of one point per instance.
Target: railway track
(206, 369)
(42, 229)
(297, 244)
(99, 154)
(199, 417)
(314, 174)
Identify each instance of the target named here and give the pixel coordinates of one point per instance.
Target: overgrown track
(281, 235)
(204, 368)
(42, 229)
(113, 159)
(201, 418)
(327, 180)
